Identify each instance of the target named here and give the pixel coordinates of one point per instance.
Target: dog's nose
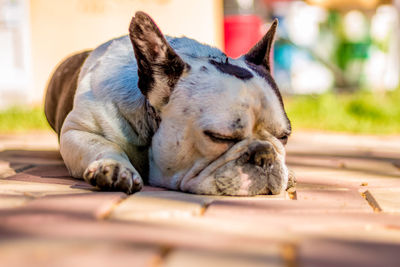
(262, 155)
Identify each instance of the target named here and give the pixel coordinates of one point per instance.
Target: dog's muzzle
(258, 170)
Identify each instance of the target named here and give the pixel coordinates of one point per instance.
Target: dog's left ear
(159, 67)
(260, 53)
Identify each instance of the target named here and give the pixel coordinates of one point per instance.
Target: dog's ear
(159, 67)
(260, 53)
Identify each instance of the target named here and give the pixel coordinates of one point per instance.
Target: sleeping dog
(173, 112)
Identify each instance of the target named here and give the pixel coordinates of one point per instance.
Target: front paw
(109, 174)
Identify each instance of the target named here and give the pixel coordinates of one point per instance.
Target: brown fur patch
(61, 90)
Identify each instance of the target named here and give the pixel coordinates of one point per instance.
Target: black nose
(262, 155)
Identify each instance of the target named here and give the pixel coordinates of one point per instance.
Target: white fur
(107, 103)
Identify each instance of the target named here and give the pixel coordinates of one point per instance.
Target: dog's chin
(241, 180)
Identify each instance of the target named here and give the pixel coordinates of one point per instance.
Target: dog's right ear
(159, 67)
(261, 52)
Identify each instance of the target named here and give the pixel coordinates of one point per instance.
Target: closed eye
(283, 139)
(219, 138)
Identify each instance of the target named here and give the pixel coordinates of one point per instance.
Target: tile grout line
(204, 208)
(292, 193)
(396, 163)
(158, 261)
(11, 171)
(289, 254)
(371, 201)
(27, 167)
(105, 213)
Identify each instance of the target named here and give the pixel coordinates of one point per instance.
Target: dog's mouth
(249, 168)
(258, 171)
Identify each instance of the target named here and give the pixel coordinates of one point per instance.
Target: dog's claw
(136, 180)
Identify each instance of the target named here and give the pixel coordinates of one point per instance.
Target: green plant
(361, 112)
(19, 119)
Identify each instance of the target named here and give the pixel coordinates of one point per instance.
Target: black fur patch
(154, 55)
(233, 70)
(61, 90)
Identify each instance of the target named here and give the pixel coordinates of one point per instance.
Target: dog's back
(61, 90)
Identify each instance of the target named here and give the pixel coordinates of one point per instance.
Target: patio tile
(343, 178)
(297, 216)
(193, 258)
(11, 187)
(370, 231)
(384, 168)
(49, 171)
(396, 163)
(308, 201)
(12, 201)
(159, 204)
(343, 200)
(171, 204)
(68, 225)
(185, 211)
(314, 161)
(5, 169)
(347, 253)
(56, 175)
(94, 205)
(384, 199)
(63, 253)
(29, 141)
(33, 157)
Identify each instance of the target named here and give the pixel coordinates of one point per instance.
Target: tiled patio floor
(345, 212)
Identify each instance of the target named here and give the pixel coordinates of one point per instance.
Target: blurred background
(337, 62)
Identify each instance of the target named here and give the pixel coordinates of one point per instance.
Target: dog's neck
(144, 120)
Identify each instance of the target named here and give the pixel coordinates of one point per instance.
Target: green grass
(18, 119)
(362, 112)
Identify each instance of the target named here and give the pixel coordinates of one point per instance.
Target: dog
(172, 112)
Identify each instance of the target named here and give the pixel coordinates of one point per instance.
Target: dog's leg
(99, 161)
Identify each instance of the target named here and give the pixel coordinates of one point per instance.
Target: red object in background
(241, 32)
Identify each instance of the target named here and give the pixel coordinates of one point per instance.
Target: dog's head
(223, 125)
